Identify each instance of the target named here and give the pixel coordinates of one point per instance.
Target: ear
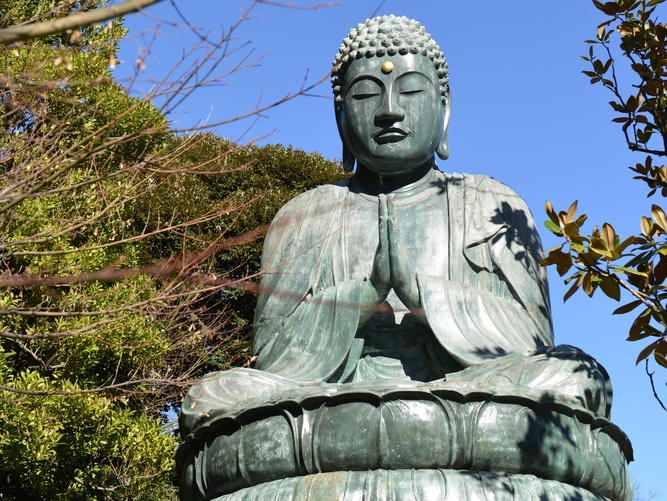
(443, 147)
(348, 157)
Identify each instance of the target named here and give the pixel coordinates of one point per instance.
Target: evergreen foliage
(121, 275)
(631, 38)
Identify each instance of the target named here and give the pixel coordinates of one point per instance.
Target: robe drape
(484, 293)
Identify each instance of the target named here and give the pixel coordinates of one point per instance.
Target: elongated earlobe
(443, 147)
(348, 159)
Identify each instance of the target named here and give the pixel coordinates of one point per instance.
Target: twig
(655, 393)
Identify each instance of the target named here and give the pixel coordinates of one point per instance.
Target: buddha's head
(392, 98)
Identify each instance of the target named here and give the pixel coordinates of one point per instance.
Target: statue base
(413, 485)
(425, 440)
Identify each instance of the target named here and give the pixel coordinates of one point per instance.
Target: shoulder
(313, 201)
(481, 183)
(481, 187)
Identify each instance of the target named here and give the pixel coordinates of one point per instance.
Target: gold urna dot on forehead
(387, 67)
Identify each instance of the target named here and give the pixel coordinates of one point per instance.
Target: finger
(391, 203)
(383, 214)
(392, 224)
(382, 206)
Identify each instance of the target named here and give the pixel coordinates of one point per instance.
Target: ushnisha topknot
(387, 35)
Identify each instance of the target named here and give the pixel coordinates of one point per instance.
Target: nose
(390, 110)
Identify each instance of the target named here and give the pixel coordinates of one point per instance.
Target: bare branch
(99, 389)
(655, 393)
(70, 22)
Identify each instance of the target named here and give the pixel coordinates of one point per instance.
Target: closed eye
(361, 96)
(410, 92)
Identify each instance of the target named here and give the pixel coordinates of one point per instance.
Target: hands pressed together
(391, 266)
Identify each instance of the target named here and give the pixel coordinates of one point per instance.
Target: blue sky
(522, 113)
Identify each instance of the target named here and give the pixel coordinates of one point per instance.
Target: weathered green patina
(403, 326)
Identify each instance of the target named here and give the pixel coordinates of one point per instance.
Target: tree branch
(99, 389)
(655, 393)
(37, 30)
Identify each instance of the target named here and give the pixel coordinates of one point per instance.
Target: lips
(392, 134)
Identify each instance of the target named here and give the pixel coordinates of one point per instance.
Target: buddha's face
(392, 116)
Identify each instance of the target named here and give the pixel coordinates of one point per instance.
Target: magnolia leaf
(559, 257)
(581, 220)
(625, 243)
(562, 268)
(659, 217)
(660, 270)
(630, 271)
(589, 287)
(649, 161)
(553, 227)
(647, 351)
(573, 289)
(627, 308)
(618, 107)
(608, 235)
(610, 8)
(638, 336)
(662, 347)
(600, 246)
(572, 211)
(660, 359)
(610, 287)
(558, 247)
(575, 276)
(551, 212)
(632, 103)
(571, 230)
(577, 247)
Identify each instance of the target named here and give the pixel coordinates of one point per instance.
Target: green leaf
(553, 227)
(577, 247)
(562, 268)
(630, 271)
(598, 245)
(571, 230)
